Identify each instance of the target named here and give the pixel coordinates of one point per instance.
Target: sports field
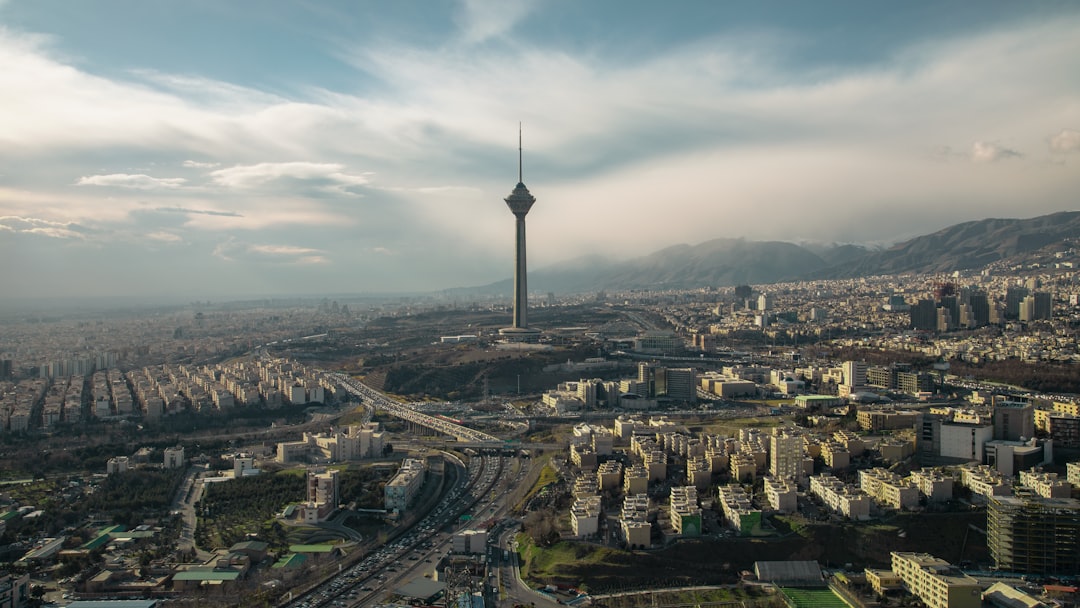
(812, 598)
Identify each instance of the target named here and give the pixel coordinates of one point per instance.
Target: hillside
(725, 262)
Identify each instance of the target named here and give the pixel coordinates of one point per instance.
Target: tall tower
(519, 202)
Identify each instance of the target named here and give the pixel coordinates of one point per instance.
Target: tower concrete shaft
(519, 202)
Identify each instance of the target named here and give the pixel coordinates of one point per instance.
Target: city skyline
(204, 149)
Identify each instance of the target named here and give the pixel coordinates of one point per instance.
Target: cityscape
(269, 338)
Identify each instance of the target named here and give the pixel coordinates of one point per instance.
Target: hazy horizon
(251, 148)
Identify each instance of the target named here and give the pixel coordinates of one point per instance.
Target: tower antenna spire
(520, 180)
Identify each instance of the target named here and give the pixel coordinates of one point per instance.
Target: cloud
(135, 182)
(236, 250)
(194, 164)
(187, 211)
(986, 152)
(327, 177)
(486, 19)
(42, 227)
(1068, 140)
(165, 237)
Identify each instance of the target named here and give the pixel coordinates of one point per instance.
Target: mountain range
(725, 262)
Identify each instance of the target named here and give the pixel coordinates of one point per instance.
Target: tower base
(520, 334)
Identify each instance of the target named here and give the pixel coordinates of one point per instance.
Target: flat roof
(312, 548)
(420, 588)
(207, 575)
(113, 604)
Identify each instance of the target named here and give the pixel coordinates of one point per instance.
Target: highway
(377, 399)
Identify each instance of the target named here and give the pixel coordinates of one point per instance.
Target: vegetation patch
(232, 510)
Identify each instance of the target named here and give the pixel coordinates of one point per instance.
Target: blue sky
(212, 149)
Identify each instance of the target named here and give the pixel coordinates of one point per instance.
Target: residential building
(781, 494)
(585, 516)
(684, 511)
(936, 582)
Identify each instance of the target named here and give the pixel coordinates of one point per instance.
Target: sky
(262, 147)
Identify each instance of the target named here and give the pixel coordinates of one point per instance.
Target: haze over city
(249, 148)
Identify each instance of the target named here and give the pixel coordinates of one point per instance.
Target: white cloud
(165, 237)
(329, 177)
(194, 164)
(486, 19)
(234, 250)
(42, 227)
(1068, 140)
(987, 151)
(136, 182)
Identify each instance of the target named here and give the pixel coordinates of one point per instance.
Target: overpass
(380, 400)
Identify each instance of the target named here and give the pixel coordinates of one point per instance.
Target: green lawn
(813, 598)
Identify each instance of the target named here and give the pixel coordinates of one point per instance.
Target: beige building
(636, 480)
(840, 498)
(888, 488)
(1047, 485)
(934, 484)
(781, 494)
(935, 582)
(634, 521)
(585, 516)
(609, 476)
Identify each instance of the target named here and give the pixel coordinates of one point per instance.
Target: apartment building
(839, 497)
(585, 516)
(934, 484)
(781, 494)
(636, 480)
(739, 511)
(1047, 485)
(684, 511)
(404, 486)
(610, 475)
(936, 582)
(634, 521)
(888, 488)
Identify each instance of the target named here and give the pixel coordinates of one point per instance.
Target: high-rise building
(786, 455)
(1013, 297)
(1033, 534)
(1014, 420)
(924, 315)
(520, 202)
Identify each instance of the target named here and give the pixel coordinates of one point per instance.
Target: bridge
(403, 411)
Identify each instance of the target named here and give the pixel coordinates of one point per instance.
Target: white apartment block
(634, 520)
(586, 485)
(585, 516)
(404, 486)
(684, 511)
(781, 494)
(888, 488)
(985, 481)
(840, 498)
(737, 506)
(934, 484)
(1047, 485)
(117, 464)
